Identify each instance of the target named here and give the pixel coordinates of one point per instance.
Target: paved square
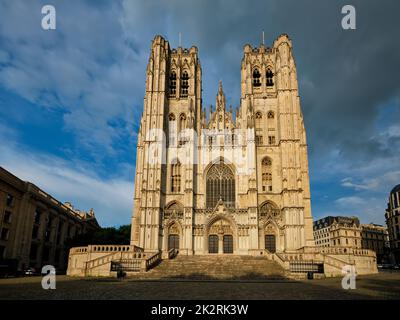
(385, 285)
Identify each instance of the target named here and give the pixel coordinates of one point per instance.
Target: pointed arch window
(172, 84)
(176, 176)
(185, 84)
(182, 136)
(266, 175)
(172, 129)
(182, 122)
(220, 185)
(256, 78)
(270, 78)
(258, 119)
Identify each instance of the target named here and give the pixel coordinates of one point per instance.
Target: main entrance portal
(173, 241)
(270, 243)
(213, 244)
(228, 243)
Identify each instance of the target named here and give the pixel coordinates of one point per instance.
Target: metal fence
(306, 266)
(126, 265)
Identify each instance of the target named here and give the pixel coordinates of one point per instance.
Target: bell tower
(172, 111)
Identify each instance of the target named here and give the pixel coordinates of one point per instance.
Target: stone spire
(220, 97)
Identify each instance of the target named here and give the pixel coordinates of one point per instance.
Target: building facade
(392, 216)
(219, 182)
(209, 182)
(347, 232)
(375, 237)
(338, 232)
(34, 226)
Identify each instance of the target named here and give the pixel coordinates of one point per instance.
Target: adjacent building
(375, 237)
(34, 226)
(338, 231)
(393, 222)
(347, 232)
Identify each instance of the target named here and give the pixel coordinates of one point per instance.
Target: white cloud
(368, 208)
(350, 201)
(86, 68)
(111, 198)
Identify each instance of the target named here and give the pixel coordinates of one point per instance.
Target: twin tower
(214, 181)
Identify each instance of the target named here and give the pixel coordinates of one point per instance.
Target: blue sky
(71, 98)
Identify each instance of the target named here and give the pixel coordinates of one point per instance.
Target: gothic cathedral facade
(214, 182)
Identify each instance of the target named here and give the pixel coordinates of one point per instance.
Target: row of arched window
(182, 120)
(270, 115)
(220, 182)
(184, 87)
(269, 78)
(175, 128)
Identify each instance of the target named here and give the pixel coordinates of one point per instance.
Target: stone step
(214, 267)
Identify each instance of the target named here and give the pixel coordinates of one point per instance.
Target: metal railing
(306, 266)
(132, 265)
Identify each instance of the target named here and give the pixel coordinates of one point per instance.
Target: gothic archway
(270, 238)
(220, 184)
(173, 236)
(220, 236)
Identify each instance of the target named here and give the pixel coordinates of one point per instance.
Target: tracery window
(256, 78)
(182, 122)
(269, 208)
(259, 140)
(172, 84)
(220, 185)
(266, 175)
(258, 119)
(271, 115)
(176, 176)
(270, 78)
(172, 129)
(271, 140)
(184, 84)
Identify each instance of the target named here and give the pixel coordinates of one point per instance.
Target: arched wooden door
(270, 243)
(228, 243)
(213, 243)
(173, 241)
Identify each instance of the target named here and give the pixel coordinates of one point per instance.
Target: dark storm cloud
(94, 64)
(348, 79)
(345, 76)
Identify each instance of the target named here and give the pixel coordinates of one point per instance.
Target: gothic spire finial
(220, 90)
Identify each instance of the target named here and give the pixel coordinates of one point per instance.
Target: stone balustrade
(105, 248)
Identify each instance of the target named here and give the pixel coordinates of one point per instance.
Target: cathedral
(217, 182)
(217, 185)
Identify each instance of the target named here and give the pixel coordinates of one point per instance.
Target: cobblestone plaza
(385, 285)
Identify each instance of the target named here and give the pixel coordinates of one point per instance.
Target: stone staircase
(210, 267)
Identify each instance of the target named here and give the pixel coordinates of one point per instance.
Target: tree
(110, 235)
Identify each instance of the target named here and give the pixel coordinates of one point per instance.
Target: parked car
(30, 272)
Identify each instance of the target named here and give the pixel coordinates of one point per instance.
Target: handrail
(172, 253)
(101, 260)
(282, 262)
(335, 262)
(153, 260)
